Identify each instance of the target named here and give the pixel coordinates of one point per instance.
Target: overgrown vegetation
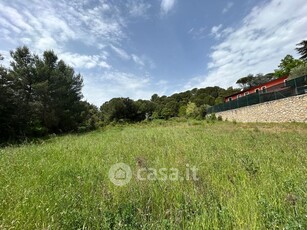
(289, 66)
(251, 176)
(190, 104)
(298, 71)
(41, 95)
(286, 65)
(302, 49)
(251, 80)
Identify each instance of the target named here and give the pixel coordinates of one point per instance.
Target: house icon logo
(120, 174)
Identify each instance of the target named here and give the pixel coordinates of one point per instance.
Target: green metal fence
(290, 88)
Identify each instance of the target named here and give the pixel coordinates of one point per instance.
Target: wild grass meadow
(250, 176)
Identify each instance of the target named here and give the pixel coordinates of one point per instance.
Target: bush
(178, 119)
(191, 110)
(298, 71)
(82, 129)
(211, 117)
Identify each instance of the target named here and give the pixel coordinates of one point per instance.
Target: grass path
(251, 176)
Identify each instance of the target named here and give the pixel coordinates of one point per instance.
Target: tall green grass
(251, 176)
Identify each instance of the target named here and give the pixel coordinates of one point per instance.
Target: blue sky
(136, 48)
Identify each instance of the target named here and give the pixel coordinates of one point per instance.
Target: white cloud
(46, 27)
(13, 16)
(227, 7)
(162, 85)
(121, 53)
(127, 80)
(84, 61)
(267, 34)
(141, 61)
(198, 33)
(216, 30)
(6, 58)
(118, 84)
(42, 43)
(84, 34)
(138, 8)
(137, 60)
(167, 5)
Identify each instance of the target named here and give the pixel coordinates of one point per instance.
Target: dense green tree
(67, 96)
(302, 49)
(119, 109)
(229, 91)
(144, 108)
(8, 105)
(46, 90)
(218, 100)
(254, 80)
(170, 109)
(90, 117)
(59, 94)
(259, 79)
(154, 97)
(285, 66)
(24, 75)
(209, 100)
(191, 110)
(202, 111)
(182, 111)
(166, 107)
(245, 82)
(39, 96)
(298, 71)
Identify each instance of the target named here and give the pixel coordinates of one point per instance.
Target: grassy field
(250, 176)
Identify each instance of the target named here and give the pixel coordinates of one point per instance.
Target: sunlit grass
(250, 176)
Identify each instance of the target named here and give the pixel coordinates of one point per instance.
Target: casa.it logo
(120, 174)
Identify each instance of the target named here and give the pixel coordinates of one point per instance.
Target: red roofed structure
(271, 86)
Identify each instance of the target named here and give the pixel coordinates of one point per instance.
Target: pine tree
(302, 50)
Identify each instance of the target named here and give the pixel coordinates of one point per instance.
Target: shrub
(212, 117)
(178, 119)
(191, 110)
(298, 71)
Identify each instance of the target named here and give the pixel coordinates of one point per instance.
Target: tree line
(190, 104)
(42, 95)
(289, 67)
(194, 103)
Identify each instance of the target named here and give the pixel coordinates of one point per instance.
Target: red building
(271, 86)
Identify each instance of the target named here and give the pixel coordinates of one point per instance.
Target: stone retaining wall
(283, 110)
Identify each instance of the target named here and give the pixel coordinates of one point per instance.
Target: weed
(247, 179)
